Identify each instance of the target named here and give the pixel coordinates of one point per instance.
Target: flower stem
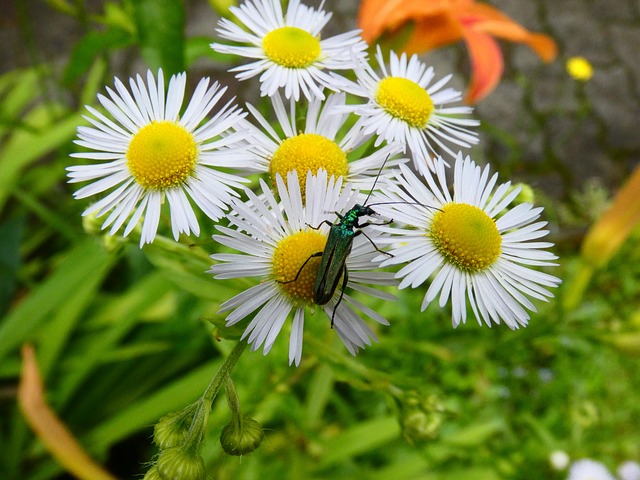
(203, 405)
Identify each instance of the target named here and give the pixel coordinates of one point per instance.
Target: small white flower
(150, 151)
(403, 105)
(629, 470)
(287, 47)
(476, 252)
(587, 469)
(276, 239)
(321, 143)
(559, 460)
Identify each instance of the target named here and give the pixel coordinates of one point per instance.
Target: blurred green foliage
(124, 336)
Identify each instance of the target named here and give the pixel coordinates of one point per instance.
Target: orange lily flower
(440, 22)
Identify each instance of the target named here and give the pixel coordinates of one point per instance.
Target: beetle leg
(314, 255)
(344, 286)
(358, 232)
(327, 222)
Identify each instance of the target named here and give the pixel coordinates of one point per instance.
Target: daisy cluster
(340, 134)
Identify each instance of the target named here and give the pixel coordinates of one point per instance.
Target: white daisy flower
(287, 47)
(587, 469)
(321, 143)
(474, 250)
(276, 240)
(404, 106)
(149, 151)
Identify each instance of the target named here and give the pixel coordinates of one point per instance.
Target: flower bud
(176, 464)
(91, 224)
(526, 195)
(420, 418)
(172, 429)
(152, 474)
(222, 6)
(241, 437)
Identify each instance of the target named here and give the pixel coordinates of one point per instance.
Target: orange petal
(543, 45)
(486, 64)
(433, 32)
(606, 236)
(376, 16)
(487, 19)
(48, 427)
(481, 12)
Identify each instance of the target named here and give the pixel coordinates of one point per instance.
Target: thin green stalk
(203, 409)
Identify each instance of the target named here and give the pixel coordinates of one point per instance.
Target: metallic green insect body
(334, 257)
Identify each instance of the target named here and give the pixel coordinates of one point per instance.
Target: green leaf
(160, 25)
(85, 261)
(90, 47)
(126, 310)
(475, 435)
(10, 235)
(94, 81)
(26, 146)
(148, 410)
(319, 393)
(626, 342)
(18, 88)
(411, 466)
(200, 47)
(360, 438)
(54, 335)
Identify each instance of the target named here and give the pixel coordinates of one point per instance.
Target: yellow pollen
(404, 99)
(289, 256)
(162, 155)
(466, 236)
(308, 151)
(291, 47)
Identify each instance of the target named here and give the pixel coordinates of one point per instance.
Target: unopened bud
(526, 195)
(176, 464)
(172, 429)
(91, 224)
(420, 417)
(152, 474)
(241, 437)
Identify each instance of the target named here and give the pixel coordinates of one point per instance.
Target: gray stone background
(540, 125)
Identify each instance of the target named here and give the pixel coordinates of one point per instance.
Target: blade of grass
(147, 411)
(78, 266)
(26, 146)
(126, 311)
(358, 439)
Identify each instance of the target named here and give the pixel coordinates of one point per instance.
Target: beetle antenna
(376, 180)
(405, 203)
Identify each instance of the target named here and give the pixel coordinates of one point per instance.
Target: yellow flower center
(466, 236)
(308, 151)
(291, 47)
(162, 155)
(289, 256)
(406, 100)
